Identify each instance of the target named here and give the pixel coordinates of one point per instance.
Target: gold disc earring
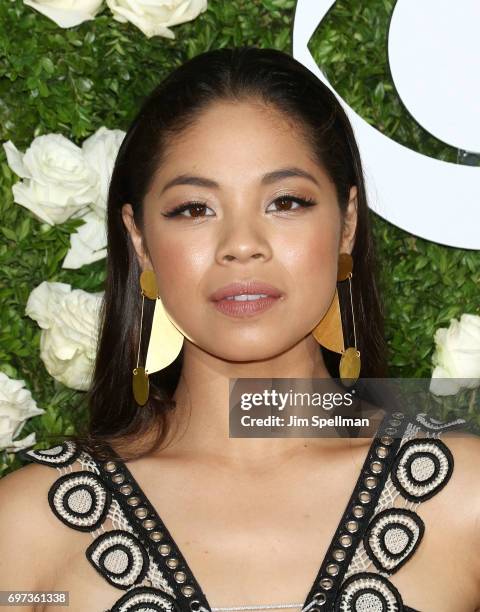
(165, 343)
(329, 331)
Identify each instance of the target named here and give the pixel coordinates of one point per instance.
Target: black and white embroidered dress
(378, 533)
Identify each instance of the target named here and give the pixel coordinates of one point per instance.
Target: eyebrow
(267, 179)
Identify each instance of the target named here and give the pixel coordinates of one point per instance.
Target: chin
(240, 352)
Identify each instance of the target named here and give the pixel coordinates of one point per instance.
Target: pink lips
(250, 287)
(245, 307)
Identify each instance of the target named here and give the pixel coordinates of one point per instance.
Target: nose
(241, 241)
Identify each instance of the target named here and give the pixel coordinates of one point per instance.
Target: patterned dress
(379, 532)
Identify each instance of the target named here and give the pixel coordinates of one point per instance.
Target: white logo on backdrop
(435, 64)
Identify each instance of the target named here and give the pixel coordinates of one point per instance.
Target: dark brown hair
(278, 80)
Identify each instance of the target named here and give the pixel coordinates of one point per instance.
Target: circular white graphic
(430, 198)
(437, 74)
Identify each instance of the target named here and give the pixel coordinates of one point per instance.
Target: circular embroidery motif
(120, 557)
(391, 538)
(80, 500)
(367, 592)
(145, 599)
(422, 468)
(57, 456)
(432, 424)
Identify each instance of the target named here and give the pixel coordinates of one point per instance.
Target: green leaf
(47, 65)
(8, 233)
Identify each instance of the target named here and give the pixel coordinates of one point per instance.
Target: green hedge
(74, 81)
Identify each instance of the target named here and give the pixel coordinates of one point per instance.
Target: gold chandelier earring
(330, 333)
(165, 342)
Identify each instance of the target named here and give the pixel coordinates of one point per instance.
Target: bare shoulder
(465, 449)
(27, 523)
(463, 495)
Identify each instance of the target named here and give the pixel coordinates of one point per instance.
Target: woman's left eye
(287, 200)
(197, 210)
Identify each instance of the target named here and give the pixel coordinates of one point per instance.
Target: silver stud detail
(172, 563)
(390, 430)
(352, 526)
(156, 536)
(141, 512)
(180, 576)
(320, 598)
(118, 478)
(332, 569)
(133, 501)
(395, 422)
(149, 523)
(326, 583)
(110, 466)
(382, 452)
(387, 440)
(398, 415)
(358, 511)
(364, 497)
(345, 540)
(164, 549)
(126, 489)
(188, 590)
(371, 482)
(376, 467)
(338, 554)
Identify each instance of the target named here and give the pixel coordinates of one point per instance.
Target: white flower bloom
(100, 151)
(16, 406)
(88, 243)
(154, 18)
(57, 179)
(70, 323)
(457, 356)
(66, 13)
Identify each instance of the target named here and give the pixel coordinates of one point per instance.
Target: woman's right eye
(195, 208)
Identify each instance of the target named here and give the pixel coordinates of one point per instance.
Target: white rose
(457, 356)
(57, 179)
(155, 18)
(16, 406)
(88, 243)
(70, 323)
(66, 13)
(101, 150)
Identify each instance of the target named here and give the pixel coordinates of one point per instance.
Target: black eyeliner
(304, 202)
(181, 207)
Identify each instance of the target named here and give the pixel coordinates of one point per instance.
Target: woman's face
(244, 169)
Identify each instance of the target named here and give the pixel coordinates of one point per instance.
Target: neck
(201, 416)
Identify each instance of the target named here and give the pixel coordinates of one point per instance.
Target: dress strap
(83, 499)
(422, 467)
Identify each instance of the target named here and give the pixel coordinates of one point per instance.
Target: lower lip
(245, 308)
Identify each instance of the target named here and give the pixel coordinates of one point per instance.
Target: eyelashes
(303, 202)
(178, 210)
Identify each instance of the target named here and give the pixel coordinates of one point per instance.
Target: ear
(349, 222)
(136, 237)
